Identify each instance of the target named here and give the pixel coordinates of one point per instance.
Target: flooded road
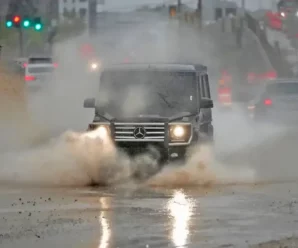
(127, 217)
(239, 195)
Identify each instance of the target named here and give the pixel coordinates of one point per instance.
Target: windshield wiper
(163, 97)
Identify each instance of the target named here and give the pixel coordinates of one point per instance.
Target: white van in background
(38, 75)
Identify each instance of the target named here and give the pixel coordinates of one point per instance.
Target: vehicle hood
(147, 118)
(142, 118)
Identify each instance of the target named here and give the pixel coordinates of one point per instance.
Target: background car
(276, 102)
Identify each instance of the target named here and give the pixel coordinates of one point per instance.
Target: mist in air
(51, 148)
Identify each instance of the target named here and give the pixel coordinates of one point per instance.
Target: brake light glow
(267, 102)
(25, 65)
(55, 65)
(29, 78)
(224, 90)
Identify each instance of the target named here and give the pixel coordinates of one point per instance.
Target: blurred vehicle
(224, 91)
(35, 59)
(286, 7)
(288, 12)
(94, 65)
(276, 102)
(159, 106)
(274, 20)
(37, 75)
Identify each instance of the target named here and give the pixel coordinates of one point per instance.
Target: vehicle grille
(154, 132)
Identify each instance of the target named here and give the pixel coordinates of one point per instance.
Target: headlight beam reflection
(181, 210)
(105, 225)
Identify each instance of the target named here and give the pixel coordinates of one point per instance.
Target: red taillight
(25, 65)
(267, 102)
(55, 65)
(224, 90)
(29, 78)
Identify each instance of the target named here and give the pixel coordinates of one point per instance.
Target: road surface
(238, 194)
(137, 216)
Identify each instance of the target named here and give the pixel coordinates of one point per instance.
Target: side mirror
(89, 103)
(206, 103)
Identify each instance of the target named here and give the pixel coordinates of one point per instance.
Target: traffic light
(16, 20)
(8, 21)
(9, 24)
(26, 23)
(38, 24)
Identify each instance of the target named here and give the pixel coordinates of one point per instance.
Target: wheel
(147, 164)
(206, 135)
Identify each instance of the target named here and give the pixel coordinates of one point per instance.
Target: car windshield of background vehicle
(40, 61)
(147, 92)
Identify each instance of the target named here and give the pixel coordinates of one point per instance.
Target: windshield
(40, 61)
(131, 93)
(277, 89)
(33, 70)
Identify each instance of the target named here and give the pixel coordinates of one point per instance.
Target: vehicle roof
(156, 66)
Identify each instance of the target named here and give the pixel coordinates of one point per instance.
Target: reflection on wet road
(181, 211)
(106, 218)
(105, 239)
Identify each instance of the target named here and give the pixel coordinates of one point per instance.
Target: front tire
(206, 135)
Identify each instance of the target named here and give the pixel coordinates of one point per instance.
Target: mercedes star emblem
(139, 133)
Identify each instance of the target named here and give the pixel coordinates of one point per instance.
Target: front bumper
(158, 151)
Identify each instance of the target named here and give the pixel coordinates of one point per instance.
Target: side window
(202, 86)
(207, 86)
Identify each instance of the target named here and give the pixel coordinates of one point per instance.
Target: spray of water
(73, 159)
(201, 169)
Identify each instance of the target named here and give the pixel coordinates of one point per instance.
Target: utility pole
(179, 6)
(92, 16)
(21, 41)
(223, 16)
(199, 12)
(242, 18)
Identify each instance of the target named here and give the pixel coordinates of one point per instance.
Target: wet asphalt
(231, 216)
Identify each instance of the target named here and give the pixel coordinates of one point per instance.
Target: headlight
(94, 66)
(101, 131)
(283, 14)
(180, 132)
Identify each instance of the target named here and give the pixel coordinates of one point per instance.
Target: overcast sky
(127, 4)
